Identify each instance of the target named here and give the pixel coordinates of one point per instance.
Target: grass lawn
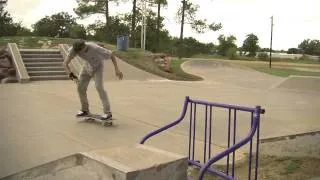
(272, 167)
(246, 58)
(144, 61)
(286, 71)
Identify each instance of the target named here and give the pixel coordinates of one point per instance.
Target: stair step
(43, 64)
(43, 60)
(46, 73)
(41, 56)
(45, 68)
(39, 51)
(44, 78)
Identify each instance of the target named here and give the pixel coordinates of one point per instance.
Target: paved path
(38, 125)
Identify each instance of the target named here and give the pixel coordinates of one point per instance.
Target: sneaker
(106, 116)
(82, 113)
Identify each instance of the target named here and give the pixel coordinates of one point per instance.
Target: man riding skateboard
(93, 56)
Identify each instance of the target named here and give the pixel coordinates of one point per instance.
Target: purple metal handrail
(233, 148)
(255, 121)
(183, 113)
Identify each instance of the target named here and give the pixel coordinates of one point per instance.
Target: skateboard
(97, 118)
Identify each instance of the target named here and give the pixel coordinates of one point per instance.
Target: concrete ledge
(22, 74)
(75, 64)
(142, 163)
(49, 168)
(123, 163)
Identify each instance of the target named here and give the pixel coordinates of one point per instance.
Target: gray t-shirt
(93, 57)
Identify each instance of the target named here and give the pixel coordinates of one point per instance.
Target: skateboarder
(93, 56)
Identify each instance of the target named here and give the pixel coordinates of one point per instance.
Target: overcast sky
(294, 20)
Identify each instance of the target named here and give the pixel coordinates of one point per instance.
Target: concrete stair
(43, 64)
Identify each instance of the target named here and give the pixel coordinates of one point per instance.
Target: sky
(294, 20)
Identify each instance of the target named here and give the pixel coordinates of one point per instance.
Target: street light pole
(143, 25)
(181, 31)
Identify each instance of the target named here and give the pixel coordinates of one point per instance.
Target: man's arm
(66, 67)
(66, 64)
(116, 68)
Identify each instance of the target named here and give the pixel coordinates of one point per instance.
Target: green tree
(159, 19)
(56, 25)
(311, 47)
(189, 11)
(78, 32)
(191, 47)
(6, 22)
(232, 53)
(7, 26)
(100, 32)
(89, 7)
(293, 51)
(152, 21)
(250, 45)
(22, 31)
(133, 23)
(187, 14)
(225, 43)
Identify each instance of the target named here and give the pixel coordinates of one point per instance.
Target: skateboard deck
(95, 117)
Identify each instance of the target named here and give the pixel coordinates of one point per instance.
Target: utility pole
(271, 42)
(182, 24)
(143, 25)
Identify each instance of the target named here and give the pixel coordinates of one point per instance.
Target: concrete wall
(22, 74)
(139, 162)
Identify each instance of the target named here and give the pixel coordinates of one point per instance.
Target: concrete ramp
(224, 72)
(124, 163)
(303, 83)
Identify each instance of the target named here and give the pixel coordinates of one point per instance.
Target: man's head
(78, 46)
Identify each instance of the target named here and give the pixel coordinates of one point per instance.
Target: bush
(304, 57)
(232, 53)
(263, 56)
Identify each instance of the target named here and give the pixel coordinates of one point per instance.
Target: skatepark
(39, 125)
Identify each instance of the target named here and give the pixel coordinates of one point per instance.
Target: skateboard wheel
(107, 124)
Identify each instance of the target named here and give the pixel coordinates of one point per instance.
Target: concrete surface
(302, 83)
(141, 163)
(137, 162)
(38, 123)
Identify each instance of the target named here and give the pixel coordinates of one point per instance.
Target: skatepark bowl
(221, 121)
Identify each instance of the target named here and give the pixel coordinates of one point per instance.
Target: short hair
(78, 46)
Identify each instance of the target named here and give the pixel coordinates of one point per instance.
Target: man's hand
(119, 74)
(72, 76)
(116, 68)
